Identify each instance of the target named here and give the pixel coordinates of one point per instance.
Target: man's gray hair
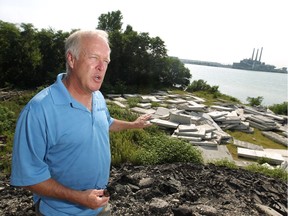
(72, 43)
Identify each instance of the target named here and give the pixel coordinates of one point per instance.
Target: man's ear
(70, 60)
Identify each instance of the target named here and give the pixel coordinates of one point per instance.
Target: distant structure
(256, 64)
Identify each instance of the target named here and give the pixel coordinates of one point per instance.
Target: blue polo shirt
(57, 137)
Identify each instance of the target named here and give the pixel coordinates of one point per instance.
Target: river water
(244, 83)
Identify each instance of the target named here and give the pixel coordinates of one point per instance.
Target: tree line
(30, 57)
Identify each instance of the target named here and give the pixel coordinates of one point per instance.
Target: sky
(223, 31)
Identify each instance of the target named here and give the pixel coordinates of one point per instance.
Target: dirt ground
(176, 189)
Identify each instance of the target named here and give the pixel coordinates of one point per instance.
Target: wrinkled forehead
(91, 42)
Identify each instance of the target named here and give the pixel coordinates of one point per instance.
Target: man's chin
(97, 87)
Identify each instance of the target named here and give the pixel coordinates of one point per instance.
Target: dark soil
(176, 189)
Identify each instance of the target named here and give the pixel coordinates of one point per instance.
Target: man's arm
(140, 122)
(89, 198)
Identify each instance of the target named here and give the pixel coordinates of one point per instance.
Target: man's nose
(100, 66)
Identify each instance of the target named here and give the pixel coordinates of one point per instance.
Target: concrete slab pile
(204, 126)
(261, 122)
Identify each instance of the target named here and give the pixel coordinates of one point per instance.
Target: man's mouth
(98, 78)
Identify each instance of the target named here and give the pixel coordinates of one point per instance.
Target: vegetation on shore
(30, 57)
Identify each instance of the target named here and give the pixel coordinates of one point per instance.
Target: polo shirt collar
(60, 94)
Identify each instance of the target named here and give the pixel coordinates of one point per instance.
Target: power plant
(255, 64)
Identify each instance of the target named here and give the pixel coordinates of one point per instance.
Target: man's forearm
(52, 188)
(89, 198)
(140, 122)
(119, 125)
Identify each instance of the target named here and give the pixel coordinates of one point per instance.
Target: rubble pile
(176, 189)
(202, 125)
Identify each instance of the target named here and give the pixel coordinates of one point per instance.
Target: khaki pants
(105, 212)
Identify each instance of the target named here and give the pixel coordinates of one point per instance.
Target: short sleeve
(29, 148)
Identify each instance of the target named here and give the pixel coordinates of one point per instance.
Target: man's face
(88, 71)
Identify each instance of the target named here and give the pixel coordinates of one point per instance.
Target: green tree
(9, 52)
(176, 74)
(30, 59)
(53, 53)
(20, 56)
(111, 21)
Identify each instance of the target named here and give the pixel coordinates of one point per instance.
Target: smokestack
(253, 53)
(260, 54)
(256, 55)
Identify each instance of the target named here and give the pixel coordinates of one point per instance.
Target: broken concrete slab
(164, 123)
(149, 98)
(208, 128)
(275, 117)
(213, 153)
(217, 114)
(229, 120)
(145, 105)
(195, 117)
(247, 145)
(118, 103)
(180, 118)
(187, 128)
(162, 113)
(175, 101)
(262, 120)
(210, 143)
(142, 110)
(257, 154)
(189, 138)
(283, 152)
(240, 113)
(209, 120)
(130, 96)
(199, 133)
(250, 110)
(197, 99)
(199, 108)
(276, 137)
(242, 126)
(112, 96)
(222, 108)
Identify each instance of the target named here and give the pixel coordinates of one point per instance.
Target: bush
(133, 101)
(170, 150)
(255, 101)
(201, 85)
(123, 146)
(280, 109)
(7, 119)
